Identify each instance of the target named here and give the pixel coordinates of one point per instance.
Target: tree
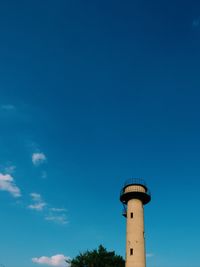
(98, 258)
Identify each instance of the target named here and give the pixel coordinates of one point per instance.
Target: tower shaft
(134, 195)
(135, 243)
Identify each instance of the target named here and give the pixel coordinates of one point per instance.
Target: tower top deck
(135, 188)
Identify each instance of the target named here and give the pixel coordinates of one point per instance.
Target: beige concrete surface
(135, 243)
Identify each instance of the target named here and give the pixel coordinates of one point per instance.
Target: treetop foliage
(98, 258)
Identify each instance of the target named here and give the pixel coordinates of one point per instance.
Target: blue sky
(93, 93)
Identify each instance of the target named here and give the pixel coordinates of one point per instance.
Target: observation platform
(135, 188)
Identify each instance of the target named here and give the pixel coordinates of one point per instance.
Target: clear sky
(92, 93)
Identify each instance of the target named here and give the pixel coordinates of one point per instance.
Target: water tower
(134, 195)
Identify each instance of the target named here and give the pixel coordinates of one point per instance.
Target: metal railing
(124, 211)
(135, 181)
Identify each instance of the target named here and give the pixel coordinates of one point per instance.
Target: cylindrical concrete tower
(134, 195)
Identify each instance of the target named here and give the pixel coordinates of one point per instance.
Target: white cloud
(8, 107)
(7, 183)
(38, 203)
(38, 158)
(58, 260)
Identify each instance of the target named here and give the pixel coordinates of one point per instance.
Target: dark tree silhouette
(98, 258)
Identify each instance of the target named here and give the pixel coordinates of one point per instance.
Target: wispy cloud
(58, 209)
(10, 169)
(58, 260)
(38, 203)
(44, 175)
(7, 183)
(37, 206)
(60, 219)
(57, 215)
(36, 196)
(196, 22)
(38, 158)
(8, 107)
(149, 255)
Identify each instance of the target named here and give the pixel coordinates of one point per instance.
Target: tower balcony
(135, 188)
(124, 211)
